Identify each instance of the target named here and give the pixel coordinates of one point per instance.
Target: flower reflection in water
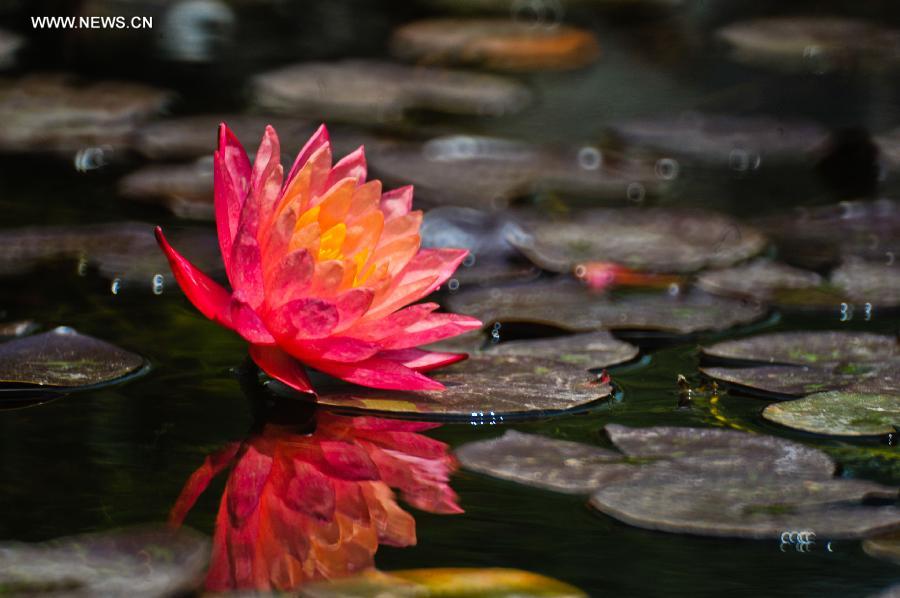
(302, 506)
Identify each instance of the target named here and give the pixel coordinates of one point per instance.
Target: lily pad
(876, 284)
(784, 380)
(725, 141)
(10, 44)
(819, 348)
(885, 547)
(367, 91)
(185, 189)
(839, 413)
(500, 44)
(56, 114)
(136, 562)
(446, 583)
(591, 350)
(541, 462)
(760, 279)
(810, 43)
(64, 358)
(489, 172)
(484, 387)
(570, 306)
(21, 328)
(656, 239)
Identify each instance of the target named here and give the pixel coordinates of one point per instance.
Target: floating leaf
(876, 284)
(760, 279)
(839, 413)
(809, 348)
(654, 239)
(495, 44)
(885, 547)
(570, 306)
(367, 91)
(185, 189)
(64, 358)
(784, 380)
(136, 562)
(446, 583)
(591, 350)
(491, 387)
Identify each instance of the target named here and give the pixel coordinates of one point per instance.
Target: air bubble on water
(469, 260)
(674, 289)
(868, 312)
(742, 160)
(158, 283)
(890, 258)
(635, 192)
(590, 158)
(667, 168)
(91, 158)
(537, 13)
(116, 286)
(63, 330)
(453, 284)
(580, 270)
(82, 266)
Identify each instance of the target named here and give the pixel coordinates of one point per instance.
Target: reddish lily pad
(55, 114)
(809, 348)
(760, 279)
(876, 284)
(487, 172)
(727, 141)
(571, 307)
(591, 349)
(839, 413)
(657, 239)
(446, 583)
(484, 387)
(136, 562)
(63, 358)
(811, 43)
(885, 547)
(500, 44)
(367, 91)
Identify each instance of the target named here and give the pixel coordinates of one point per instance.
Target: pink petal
(247, 323)
(442, 262)
(352, 305)
(393, 323)
(266, 178)
(304, 318)
(430, 329)
(246, 267)
(334, 348)
(423, 361)
(396, 202)
(304, 488)
(352, 166)
(377, 424)
(231, 182)
(245, 484)
(209, 297)
(377, 372)
(318, 139)
(282, 367)
(199, 481)
(291, 278)
(347, 461)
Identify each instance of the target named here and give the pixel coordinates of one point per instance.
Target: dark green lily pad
(443, 583)
(885, 547)
(747, 505)
(570, 306)
(186, 190)
(591, 350)
(741, 143)
(487, 172)
(655, 239)
(821, 237)
(839, 413)
(366, 91)
(135, 562)
(542, 462)
(488, 388)
(64, 358)
(877, 284)
(495, 44)
(760, 279)
(12, 329)
(812, 43)
(56, 114)
(809, 348)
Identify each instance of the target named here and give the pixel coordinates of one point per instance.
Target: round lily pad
(760, 279)
(185, 189)
(64, 358)
(484, 387)
(446, 583)
(570, 306)
(57, 114)
(367, 91)
(754, 505)
(590, 350)
(839, 413)
(500, 44)
(542, 462)
(655, 239)
(488, 172)
(809, 348)
(147, 561)
(811, 43)
(876, 284)
(784, 380)
(885, 547)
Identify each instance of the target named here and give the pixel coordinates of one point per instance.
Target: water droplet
(91, 158)
(674, 289)
(115, 286)
(635, 192)
(158, 282)
(469, 260)
(667, 169)
(590, 158)
(453, 285)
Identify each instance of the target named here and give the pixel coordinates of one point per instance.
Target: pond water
(120, 455)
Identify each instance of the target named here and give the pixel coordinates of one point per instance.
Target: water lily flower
(325, 269)
(303, 507)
